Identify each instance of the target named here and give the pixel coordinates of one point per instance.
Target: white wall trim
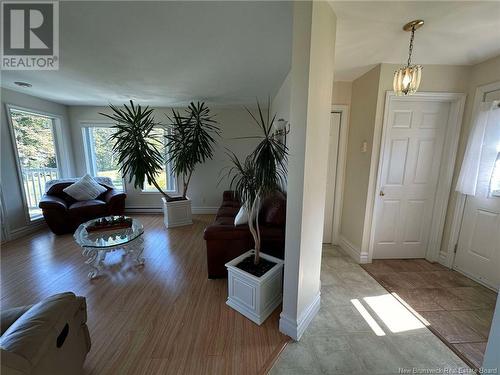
(296, 328)
(34, 226)
(352, 250)
(340, 175)
(447, 258)
(457, 101)
(159, 210)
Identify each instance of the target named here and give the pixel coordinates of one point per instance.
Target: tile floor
(458, 309)
(361, 329)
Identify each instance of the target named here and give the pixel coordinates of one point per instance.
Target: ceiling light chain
(407, 78)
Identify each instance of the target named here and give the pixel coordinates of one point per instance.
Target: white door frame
(340, 175)
(448, 258)
(457, 101)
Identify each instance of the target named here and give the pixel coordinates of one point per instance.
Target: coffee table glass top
(107, 238)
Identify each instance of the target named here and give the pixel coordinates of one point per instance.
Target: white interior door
(409, 175)
(335, 120)
(478, 249)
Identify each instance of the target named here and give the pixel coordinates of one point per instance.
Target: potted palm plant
(255, 278)
(190, 141)
(141, 148)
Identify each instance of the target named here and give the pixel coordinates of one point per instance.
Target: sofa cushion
(94, 207)
(85, 188)
(273, 210)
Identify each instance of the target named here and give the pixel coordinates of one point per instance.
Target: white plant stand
(177, 213)
(255, 297)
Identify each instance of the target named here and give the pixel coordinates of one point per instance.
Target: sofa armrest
(43, 326)
(52, 202)
(114, 195)
(9, 316)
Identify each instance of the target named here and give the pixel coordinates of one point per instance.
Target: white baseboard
(352, 250)
(295, 329)
(158, 210)
(14, 234)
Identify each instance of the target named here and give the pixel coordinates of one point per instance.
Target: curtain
(483, 137)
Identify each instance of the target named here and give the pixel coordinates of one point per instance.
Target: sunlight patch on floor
(394, 315)
(369, 319)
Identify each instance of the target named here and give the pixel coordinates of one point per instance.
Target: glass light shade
(407, 79)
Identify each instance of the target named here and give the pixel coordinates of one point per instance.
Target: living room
(282, 77)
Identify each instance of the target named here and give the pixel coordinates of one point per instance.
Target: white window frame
(168, 172)
(56, 134)
(90, 165)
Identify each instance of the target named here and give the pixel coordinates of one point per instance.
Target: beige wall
(366, 123)
(314, 26)
(341, 92)
(362, 120)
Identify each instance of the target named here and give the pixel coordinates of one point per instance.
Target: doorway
(478, 246)
(335, 177)
(418, 149)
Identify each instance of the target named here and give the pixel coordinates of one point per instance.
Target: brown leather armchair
(64, 214)
(50, 337)
(225, 241)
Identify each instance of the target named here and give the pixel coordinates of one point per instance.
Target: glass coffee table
(97, 244)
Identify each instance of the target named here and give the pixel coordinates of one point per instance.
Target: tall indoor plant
(191, 140)
(260, 174)
(141, 150)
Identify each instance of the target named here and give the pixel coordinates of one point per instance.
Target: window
(165, 179)
(36, 153)
(101, 160)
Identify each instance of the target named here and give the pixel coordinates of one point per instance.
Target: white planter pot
(177, 213)
(255, 297)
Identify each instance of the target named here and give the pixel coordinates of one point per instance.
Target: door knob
(381, 193)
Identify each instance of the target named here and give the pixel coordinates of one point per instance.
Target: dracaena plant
(260, 173)
(138, 145)
(191, 140)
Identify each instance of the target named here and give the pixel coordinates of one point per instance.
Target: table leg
(95, 260)
(136, 247)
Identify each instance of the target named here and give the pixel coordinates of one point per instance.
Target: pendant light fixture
(407, 78)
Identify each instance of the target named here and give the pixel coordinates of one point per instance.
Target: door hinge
(455, 248)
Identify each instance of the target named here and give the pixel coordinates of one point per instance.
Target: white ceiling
(370, 32)
(168, 53)
(165, 53)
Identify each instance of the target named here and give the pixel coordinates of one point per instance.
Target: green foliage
(191, 140)
(104, 154)
(137, 145)
(35, 141)
(261, 173)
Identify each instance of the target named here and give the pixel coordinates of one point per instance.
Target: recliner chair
(48, 338)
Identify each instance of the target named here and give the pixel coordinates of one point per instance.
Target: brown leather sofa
(49, 338)
(225, 241)
(64, 214)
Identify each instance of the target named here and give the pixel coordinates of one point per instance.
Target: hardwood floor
(164, 318)
(458, 309)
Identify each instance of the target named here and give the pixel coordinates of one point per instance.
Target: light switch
(364, 146)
